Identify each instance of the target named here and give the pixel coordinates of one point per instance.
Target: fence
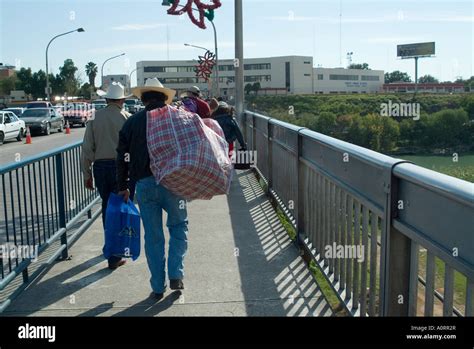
(392, 238)
(44, 208)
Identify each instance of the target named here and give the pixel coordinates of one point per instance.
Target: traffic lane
(14, 151)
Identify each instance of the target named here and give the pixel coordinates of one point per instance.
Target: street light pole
(133, 71)
(217, 58)
(48, 94)
(239, 62)
(102, 69)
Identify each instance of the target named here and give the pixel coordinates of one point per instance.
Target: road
(13, 151)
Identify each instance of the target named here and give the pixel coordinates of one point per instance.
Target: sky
(324, 29)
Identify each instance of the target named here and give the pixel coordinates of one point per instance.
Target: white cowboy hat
(115, 91)
(155, 85)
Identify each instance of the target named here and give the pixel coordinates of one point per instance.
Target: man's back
(103, 131)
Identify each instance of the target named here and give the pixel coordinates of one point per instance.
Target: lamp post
(102, 69)
(48, 92)
(133, 71)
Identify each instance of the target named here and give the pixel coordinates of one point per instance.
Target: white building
(341, 80)
(124, 79)
(276, 75)
(282, 75)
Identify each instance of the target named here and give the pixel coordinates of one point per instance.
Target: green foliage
(427, 79)
(397, 76)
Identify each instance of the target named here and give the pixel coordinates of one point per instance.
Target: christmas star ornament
(205, 10)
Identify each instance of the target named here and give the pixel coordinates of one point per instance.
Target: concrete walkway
(240, 262)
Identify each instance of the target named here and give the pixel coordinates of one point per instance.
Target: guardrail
(44, 208)
(414, 227)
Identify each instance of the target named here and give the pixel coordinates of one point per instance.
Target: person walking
(224, 116)
(133, 161)
(194, 93)
(98, 150)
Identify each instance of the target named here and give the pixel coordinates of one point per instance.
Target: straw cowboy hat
(115, 91)
(155, 85)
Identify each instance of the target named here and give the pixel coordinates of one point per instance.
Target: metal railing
(414, 226)
(44, 207)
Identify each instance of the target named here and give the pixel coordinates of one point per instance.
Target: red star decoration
(189, 9)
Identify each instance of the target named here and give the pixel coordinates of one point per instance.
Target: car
(98, 106)
(16, 111)
(10, 126)
(132, 105)
(43, 120)
(78, 113)
(38, 104)
(99, 101)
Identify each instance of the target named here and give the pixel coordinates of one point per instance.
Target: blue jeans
(106, 183)
(152, 199)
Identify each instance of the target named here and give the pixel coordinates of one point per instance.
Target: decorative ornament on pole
(206, 64)
(205, 10)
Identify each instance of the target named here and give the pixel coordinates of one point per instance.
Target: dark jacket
(231, 129)
(133, 161)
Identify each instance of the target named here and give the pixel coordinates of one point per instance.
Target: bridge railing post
(300, 192)
(396, 252)
(270, 154)
(61, 201)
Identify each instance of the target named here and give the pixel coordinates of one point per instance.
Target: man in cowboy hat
(203, 109)
(98, 149)
(133, 164)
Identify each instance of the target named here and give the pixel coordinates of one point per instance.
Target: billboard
(416, 50)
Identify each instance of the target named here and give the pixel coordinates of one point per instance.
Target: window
(307, 74)
(227, 79)
(229, 67)
(370, 78)
(261, 66)
(154, 69)
(320, 77)
(307, 62)
(255, 78)
(343, 77)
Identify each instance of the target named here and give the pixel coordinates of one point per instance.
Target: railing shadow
(275, 280)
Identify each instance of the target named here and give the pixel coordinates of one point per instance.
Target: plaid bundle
(186, 156)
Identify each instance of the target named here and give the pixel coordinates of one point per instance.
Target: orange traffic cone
(68, 129)
(28, 136)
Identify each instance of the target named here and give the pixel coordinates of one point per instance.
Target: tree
(363, 66)
(397, 76)
(85, 90)
(7, 85)
(24, 80)
(425, 79)
(326, 123)
(256, 87)
(468, 84)
(91, 72)
(67, 73)
(248, 88)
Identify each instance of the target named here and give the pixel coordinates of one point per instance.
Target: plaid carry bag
(186, 156)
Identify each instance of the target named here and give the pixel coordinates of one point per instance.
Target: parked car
(38, 104)
(99, 101)
(43, 120)
(98, 106)
(10, 126)
(132, 105)
(16, 111)
(78, 113)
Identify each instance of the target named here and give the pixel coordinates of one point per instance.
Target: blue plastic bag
(122, 229)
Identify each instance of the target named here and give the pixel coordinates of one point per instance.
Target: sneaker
(176, 284)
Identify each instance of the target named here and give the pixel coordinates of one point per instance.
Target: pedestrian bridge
(281, 243)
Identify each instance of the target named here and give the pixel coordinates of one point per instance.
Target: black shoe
(115, 265)
(157, 296)
(176, 284)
